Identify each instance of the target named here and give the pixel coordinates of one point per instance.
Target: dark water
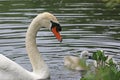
(87, 25)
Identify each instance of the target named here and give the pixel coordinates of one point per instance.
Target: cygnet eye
(86, 55)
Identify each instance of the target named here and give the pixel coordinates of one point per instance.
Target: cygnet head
(49, 21)
(85, 55)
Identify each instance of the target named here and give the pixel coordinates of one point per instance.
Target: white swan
(10, 70)
(74, 63)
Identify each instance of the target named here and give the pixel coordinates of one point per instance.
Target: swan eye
(57, 25)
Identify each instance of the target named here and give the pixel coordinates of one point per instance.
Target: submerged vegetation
(111, 3)
(105, 70)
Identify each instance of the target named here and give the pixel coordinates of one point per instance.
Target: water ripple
(86, 26)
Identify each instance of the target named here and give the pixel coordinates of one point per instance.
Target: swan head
(49, 21)
(85, 55)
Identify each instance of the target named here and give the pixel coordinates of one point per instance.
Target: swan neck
(35, 57)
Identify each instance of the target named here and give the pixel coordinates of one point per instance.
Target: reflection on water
(86, 26)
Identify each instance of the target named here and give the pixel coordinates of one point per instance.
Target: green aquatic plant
(105, 70)
(100, 58)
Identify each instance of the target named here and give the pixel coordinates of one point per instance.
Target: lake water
(87, 25)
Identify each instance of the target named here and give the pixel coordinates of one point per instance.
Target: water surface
(87, 25)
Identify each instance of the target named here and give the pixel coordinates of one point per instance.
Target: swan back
(10, 70)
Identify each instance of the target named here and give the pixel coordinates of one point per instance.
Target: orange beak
(57, 34)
